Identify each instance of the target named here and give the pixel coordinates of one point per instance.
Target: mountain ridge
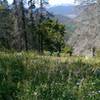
(87, 34)
(63, 10)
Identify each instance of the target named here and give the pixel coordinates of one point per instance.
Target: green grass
(28, 76)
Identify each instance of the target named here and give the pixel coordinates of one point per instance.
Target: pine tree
(5, 25)
(20, 33)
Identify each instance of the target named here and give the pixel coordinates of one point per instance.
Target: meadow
(29, 76)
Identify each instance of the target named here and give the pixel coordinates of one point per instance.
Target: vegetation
(70, 27)
(28, 76)
(28, 29)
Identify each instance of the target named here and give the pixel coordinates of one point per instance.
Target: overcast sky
(56, 2)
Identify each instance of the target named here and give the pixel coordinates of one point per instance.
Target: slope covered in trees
(29, 28)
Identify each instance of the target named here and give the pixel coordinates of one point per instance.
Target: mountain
(69, 23)
(87, 34)
(69, 10)
(82, 28)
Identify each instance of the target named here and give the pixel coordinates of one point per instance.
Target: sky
(59, 2)
(55, 2)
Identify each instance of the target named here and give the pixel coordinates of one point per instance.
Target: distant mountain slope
(69, 10)
(61, 18)
(62, 9)
(68, 22)
(87, 34)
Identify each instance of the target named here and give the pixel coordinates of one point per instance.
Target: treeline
(26, 27)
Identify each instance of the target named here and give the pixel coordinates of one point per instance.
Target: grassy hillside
(28, 76)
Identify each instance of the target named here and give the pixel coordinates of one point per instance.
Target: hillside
(69, 16)
(70, 25)
(68, 22)
(87, 34)
(69, 10)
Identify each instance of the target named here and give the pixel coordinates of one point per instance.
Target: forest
(25, 29)
(42, 58)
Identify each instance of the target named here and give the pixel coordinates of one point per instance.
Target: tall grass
(28, 76)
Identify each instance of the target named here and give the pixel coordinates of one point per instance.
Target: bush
(68, 50)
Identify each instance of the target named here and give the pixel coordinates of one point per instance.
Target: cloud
(10, 1)
(55, 2)
(59, 2)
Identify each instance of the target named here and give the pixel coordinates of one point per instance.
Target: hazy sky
(59, 2)
(56, 2)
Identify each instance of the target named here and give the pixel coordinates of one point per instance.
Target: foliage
(53, 34)
(5, 26)
(28, 30)
(98, 52)
(67, 50)
(28, 76)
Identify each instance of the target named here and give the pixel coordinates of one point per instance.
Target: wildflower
(35, 93)
(86, 57)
